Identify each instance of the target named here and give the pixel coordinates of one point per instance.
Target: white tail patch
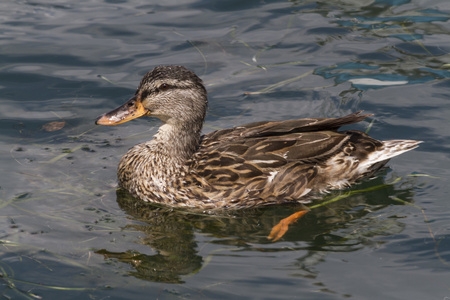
(391, 148)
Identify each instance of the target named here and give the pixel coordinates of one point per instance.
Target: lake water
(67, 234)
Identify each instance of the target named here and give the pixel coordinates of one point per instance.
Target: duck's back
(275, 162)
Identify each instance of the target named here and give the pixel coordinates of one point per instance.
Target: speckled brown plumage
(255, 164)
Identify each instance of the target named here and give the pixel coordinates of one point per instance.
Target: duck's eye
(164, 87)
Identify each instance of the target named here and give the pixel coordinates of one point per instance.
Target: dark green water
(66, 234)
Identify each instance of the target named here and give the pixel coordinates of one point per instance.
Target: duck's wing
(260, 154)
(281, 128)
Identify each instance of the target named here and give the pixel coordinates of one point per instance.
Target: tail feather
(390, 149)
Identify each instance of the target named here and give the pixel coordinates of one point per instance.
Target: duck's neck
(177, 143)
(154, 166)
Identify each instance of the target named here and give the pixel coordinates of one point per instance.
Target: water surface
(67, 233)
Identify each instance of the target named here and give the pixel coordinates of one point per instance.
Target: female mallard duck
(254, 164)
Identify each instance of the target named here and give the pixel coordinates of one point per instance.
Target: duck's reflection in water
(171, 232)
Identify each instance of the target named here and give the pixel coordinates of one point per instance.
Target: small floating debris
(54, 126)
(376, 82)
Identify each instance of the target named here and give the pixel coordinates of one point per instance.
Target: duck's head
(173, 94)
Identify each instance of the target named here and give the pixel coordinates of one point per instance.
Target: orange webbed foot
(282, 227)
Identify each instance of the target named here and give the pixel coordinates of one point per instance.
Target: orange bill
(132, 109)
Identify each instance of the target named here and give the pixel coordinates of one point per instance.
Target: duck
(256, 164)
